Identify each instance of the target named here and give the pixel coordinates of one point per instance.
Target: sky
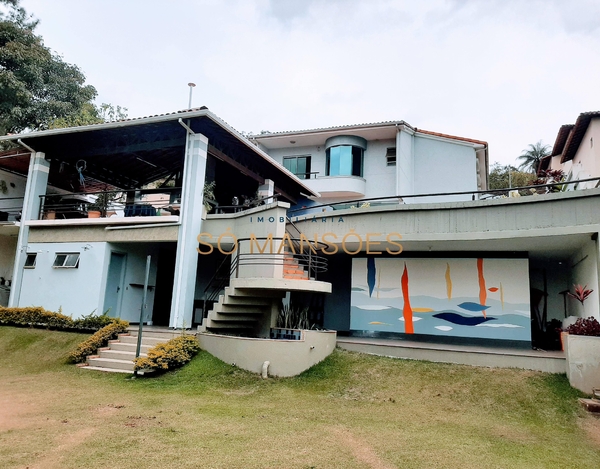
(509, 72)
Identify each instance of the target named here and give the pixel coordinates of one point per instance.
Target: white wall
(442, 166)
(584, 271)
(585, 163)
(77, 291)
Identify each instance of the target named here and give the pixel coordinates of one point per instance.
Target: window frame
(307, 158)
(65, 263)
(390, 156)
(356, 161)
(27, 257)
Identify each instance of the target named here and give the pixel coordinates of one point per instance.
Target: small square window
(66, 260)
(30, 260)
(390, 156)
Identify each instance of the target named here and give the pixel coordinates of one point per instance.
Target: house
(371, 161)
(382, 231)
(576, 151)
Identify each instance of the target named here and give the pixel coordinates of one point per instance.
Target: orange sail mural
(407, 312)
(448, 282)
(482, 290)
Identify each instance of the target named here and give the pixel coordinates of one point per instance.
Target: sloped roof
(570, 136)
(132, 152)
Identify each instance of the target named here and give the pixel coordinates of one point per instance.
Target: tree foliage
(507, 176)
(37, 87)
(532, 156)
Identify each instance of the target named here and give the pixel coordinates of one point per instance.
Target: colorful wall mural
(481, 298)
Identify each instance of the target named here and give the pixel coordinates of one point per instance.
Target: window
(66, 260)
(298, 165)
(30, 260)
(390, 156)
(344, 160)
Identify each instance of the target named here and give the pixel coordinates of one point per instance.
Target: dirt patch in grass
(16, 411)
(359, 449)
(591, 425)
(65, 444)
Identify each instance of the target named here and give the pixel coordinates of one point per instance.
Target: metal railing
(11, 208)
(483, 195)
(131, 203)
(302, 250)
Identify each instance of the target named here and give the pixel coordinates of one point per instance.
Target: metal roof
(133, 152)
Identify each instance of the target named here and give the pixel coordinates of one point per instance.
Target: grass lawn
(351, 411)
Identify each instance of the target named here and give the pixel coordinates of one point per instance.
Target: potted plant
(582, 350)
(103, 202)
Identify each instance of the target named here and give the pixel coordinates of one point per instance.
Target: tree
(532, 156)
(505, 177)
(36, 86)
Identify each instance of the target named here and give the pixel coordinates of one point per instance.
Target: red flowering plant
(581, 293)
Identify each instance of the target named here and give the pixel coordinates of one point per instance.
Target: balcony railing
(10, 209)
(106, 204)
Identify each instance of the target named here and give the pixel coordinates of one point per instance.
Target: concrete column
(37, 181)
(190, 215)
(405, 164)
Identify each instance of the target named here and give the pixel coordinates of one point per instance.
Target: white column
(405, 164)
(37, 180)
(190, 215)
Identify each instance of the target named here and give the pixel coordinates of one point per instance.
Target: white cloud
(509, 72)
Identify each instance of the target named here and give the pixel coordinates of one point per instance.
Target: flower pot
(94, 214)
(583, 361)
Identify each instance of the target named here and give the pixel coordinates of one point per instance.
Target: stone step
(118, 354)
(96, 361)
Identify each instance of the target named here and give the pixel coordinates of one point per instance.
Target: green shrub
(99, 339)
(92, 321)
(172, 354)
(36, 316)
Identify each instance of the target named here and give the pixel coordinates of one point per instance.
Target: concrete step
(96, 361)
(107, 370)
(166, 334)
(116, 345)
(224, 325)
(238, 309)
(231, 318)
(118, 354)
(252, 292)
(132, 339)
(246, 300)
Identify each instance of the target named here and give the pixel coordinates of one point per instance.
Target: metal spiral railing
(229, 268)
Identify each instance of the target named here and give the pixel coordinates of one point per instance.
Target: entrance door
(114, 284)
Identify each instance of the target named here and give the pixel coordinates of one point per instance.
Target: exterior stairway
(119, 355)
(293, 270)
(240, 311)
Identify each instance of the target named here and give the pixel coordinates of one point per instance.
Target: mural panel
(481, 298)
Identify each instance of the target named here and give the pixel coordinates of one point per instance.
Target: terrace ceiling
(133, 153)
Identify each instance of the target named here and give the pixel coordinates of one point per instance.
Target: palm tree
(533, 155)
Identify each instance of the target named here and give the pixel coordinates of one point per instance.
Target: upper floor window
(298, 165)
(30, 260)
(344, 160)
(390, 156)
(66, 260)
